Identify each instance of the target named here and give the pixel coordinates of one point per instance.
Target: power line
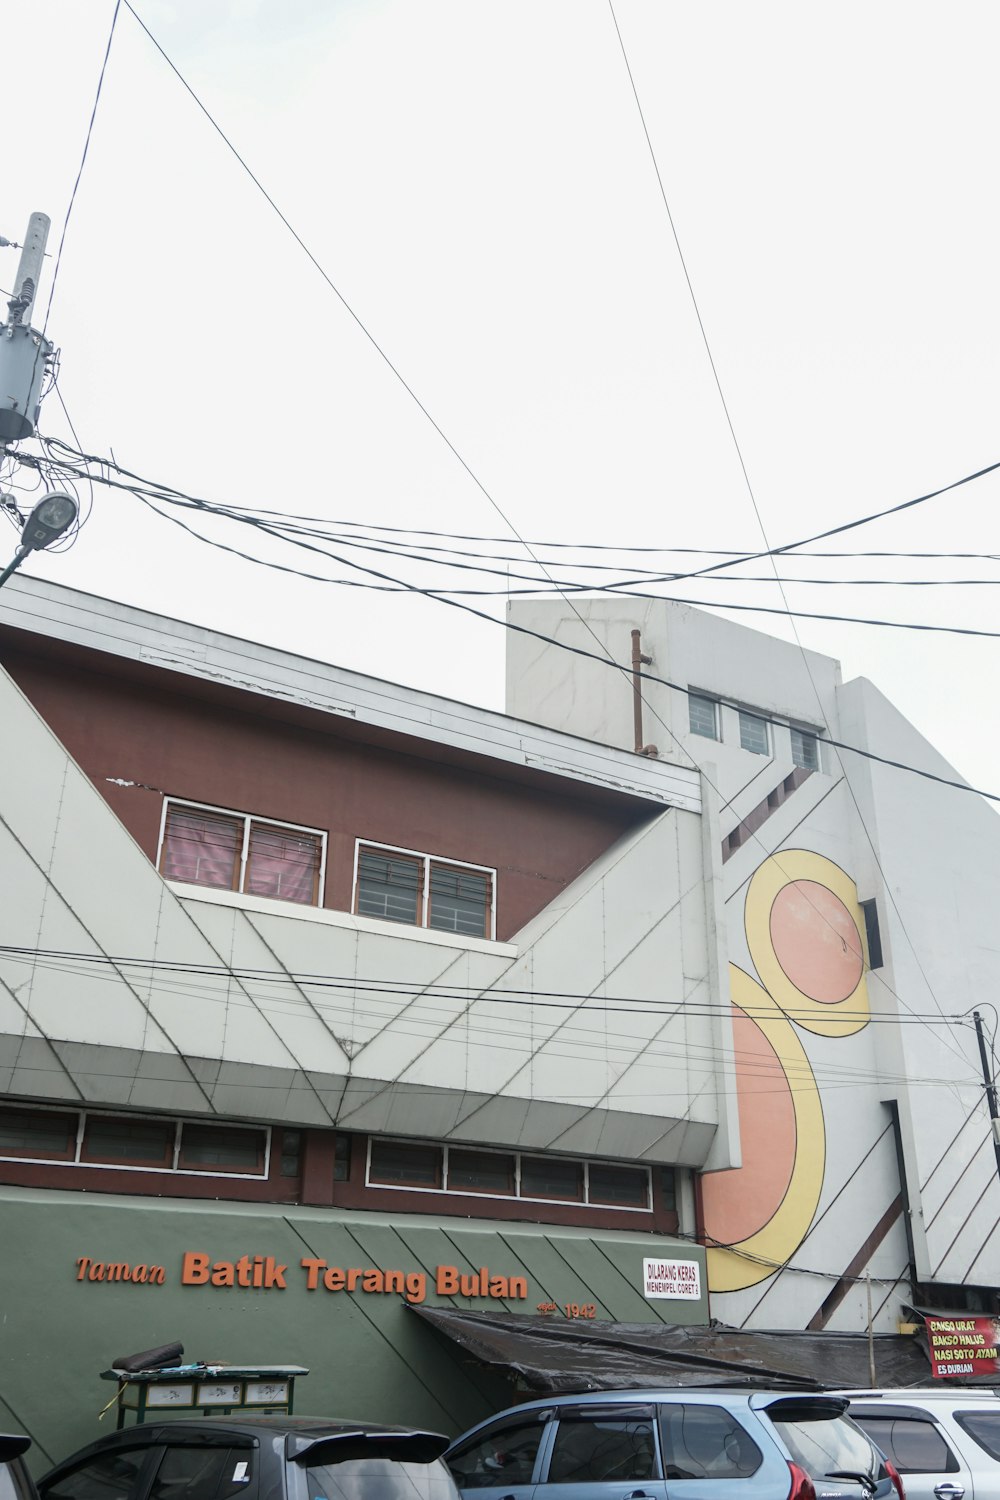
(555, 999)
(133, 484)
(83, 162)
(426, 412)
(505, 624)
(791, 546)
(769, 551)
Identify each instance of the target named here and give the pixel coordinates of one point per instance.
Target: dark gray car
(260, 1458)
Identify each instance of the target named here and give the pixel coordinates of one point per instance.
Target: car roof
(924, 1393)
(217, 1428)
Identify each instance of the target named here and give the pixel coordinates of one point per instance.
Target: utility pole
(25, 353)
(26, 357)
(991, 1093)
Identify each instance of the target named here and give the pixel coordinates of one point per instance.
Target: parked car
(672, 1445)
(257, 1458)
(15, 1481)
(945, 1442)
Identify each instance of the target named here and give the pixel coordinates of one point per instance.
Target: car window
(983, 1428)
(827, 1446)
(607, 1448)
(705, 1442)
(504, 1455)
(379, 1479)
(914, 1444)
(108, 1476)
(203, 1473)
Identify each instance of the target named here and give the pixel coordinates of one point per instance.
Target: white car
(944, 1441)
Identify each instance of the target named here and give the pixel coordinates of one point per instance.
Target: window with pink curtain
(283, 863)
(205, 847)
(202, 848)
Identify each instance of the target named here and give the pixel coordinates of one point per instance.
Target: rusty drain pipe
(639, 660)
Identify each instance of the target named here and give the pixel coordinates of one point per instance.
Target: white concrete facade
(120, 989)
(927, 855)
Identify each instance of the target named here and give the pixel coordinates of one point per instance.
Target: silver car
(945, 1441)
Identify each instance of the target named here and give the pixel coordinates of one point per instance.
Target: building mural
(805, 932)
(865, 1142)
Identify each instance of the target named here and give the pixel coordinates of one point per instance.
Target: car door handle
(949, 1491)
(641, 1495)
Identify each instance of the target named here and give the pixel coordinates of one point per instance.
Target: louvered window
(236, 852)
(399, 885)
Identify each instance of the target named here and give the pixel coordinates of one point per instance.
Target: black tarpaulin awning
(547, 1354)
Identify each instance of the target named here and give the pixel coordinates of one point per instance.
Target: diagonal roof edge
(67, 615)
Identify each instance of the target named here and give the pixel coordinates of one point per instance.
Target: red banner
(963, 1346)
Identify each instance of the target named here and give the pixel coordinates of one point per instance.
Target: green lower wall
(368, 1356)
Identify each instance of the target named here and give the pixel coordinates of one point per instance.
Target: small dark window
(291, 1153)
(603, 1448)
(914, 1444)
(133, 1143)
(705, 1442)
(222, 1148)
(505, 1456)
(405, 1164)
(873, 934)
(481, 1172)
(39, 1133)
(551, 1177)
(668, 1183)
(623, 1187)
(460, 900)
(341, 1158)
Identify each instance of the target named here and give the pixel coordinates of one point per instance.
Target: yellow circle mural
(806, 937)
(763, 1209)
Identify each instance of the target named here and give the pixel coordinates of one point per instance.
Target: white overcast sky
(474, 177)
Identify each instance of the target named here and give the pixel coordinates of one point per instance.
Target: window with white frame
(805, 749)
(400, 885)
(418, 1166)
(241, 852)
(753, 732)
(703, 716)
(136, 1142)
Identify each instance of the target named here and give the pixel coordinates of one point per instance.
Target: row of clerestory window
(705, 719)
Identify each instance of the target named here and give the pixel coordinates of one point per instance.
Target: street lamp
(51, 518)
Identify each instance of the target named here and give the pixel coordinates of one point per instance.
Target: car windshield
(833, 1445)
(983, 1428)
(379, 1479)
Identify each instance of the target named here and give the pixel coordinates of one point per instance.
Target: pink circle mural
(816, 942)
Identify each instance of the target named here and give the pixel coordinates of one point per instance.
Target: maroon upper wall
(231, 750)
